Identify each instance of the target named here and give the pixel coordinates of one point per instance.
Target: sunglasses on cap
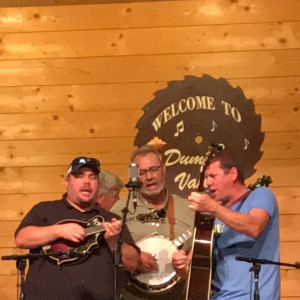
(82, 161)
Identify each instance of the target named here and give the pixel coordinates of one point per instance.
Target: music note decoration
(179, 128)
(247, 142)
(214, 126)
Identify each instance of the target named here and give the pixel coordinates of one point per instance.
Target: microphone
(252, 260)
(134, 184)
(10, 257)
(246, 259)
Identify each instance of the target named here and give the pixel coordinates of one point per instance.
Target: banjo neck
(183, 237)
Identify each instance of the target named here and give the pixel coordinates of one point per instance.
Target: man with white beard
(165, 218)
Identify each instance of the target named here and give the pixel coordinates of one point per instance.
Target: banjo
(165, 277)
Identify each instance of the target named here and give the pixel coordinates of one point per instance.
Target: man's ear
(234, 174)
(66, 181)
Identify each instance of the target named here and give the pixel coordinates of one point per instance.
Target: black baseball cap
(82, 161)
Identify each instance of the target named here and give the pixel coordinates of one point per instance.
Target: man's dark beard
(84, 204)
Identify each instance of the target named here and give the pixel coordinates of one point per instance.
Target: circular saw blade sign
(191, 114)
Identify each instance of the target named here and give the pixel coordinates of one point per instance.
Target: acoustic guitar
(200, 271)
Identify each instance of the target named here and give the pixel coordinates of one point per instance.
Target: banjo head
(165, 277)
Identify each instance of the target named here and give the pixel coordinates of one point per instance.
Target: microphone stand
(21, 265)
(256, 269)
(118, 264)
(132, 186)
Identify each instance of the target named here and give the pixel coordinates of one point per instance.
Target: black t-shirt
(89, 277)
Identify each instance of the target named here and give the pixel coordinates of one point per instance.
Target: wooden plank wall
(74, 78)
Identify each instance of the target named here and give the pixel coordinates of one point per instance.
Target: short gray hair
(144, 150)
(109, 181)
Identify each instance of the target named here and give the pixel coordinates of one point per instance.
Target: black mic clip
(133, 185)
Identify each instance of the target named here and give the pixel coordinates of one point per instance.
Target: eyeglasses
(152, 171)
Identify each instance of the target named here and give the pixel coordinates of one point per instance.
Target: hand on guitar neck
(202, 202)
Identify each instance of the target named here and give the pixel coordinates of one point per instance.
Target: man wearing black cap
(84, 268)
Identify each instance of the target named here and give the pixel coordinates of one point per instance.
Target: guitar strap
(171, 216)
(244, 196)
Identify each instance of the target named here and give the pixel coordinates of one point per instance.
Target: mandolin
(63, 251)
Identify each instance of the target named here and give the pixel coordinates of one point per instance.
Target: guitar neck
(100, 228)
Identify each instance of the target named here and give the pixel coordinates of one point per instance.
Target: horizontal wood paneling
(157, 14)
(149, 68)
(289, 230)
(283, 172)
(130, 96)
(15, 206)
(43, 179)
(65, 125)
(289, 253)
(11, 99)
(7, 231)
(11, 19)
(171, 40)
(48, 179)
(113, 150)
(103, 124)
(24, 3)
(275, 116)
(288, 199)
(85, 98)
(290, 283)
(57, 152)
(8, 285)
(285, 145)
(12, 180)
(270, 90)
